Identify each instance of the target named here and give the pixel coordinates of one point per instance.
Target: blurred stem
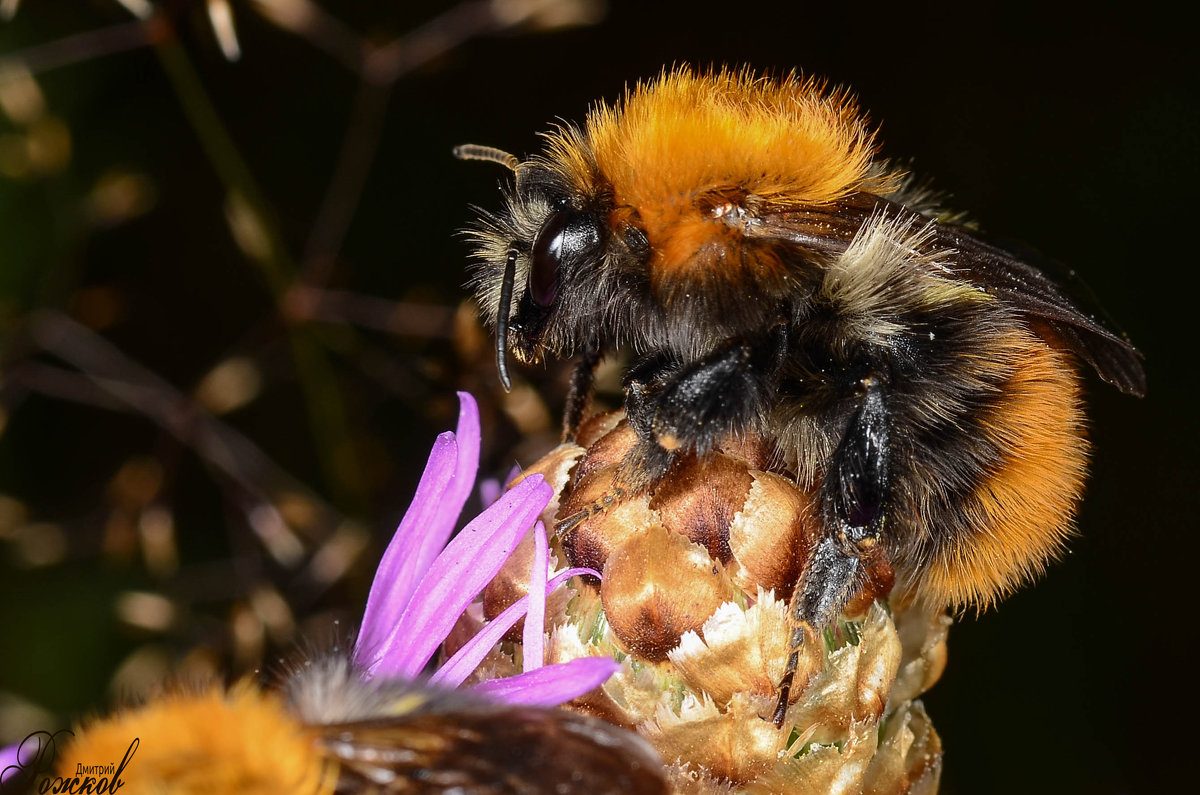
(83, 46)
(346, 186)
(278, 269)
(326, 409)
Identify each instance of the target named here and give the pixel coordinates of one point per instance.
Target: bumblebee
(327, 730)
(772, 277)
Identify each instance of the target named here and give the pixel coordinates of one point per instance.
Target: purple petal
(9, 758)
(468, 564)
(455, 670)
(423, 531)
(468, 436)
(489, 491)
(491, 488)
(532, 635)
(24, 762)
(551, 685)
(401, 567)
(448, 507)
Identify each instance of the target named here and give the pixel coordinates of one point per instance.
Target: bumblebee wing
(488, 750)
(1010, 276)
(1014, 277)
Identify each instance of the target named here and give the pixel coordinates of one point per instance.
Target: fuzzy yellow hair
(788, 142)
(1023, 510)
(216, 741)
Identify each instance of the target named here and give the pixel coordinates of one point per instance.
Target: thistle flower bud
(693, 601)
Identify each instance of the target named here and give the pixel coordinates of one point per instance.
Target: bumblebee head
(656, 224)
(533, 257)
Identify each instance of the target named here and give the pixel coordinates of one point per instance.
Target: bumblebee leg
(854, 498)
(827, 584)
(673, 406)
(689, 407)
(723, 391)
(580, 390)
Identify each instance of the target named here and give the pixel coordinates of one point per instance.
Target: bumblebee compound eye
(565, 237)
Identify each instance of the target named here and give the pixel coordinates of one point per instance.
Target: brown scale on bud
(672, 556)
(876, 584)
(512, 583)
(657, 586)
(700, 499)
(773, 534)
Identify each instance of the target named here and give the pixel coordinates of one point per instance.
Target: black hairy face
(558, 244)
(559, 270)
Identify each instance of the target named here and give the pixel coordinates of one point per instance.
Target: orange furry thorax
(683, 155)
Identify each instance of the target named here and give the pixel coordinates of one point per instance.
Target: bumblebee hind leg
(853, 511)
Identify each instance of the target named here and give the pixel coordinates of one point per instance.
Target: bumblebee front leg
(675, 406)
(690, 407)
(579, 392)
(854, 499)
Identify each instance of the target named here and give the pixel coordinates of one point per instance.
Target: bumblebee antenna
(506, 289)
(488, 153)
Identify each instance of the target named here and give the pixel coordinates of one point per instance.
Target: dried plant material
(229, 386)
(137, 483)
(548, 14)
(701, 499)
(248, 228)
(512, 583)
(142, 9)
(772, 533)
(854, 682)
(334, 558)
(156, 533)
(38, 544)
(593, 541)
(276, 536)
(149, 611)
(740, 650)
(119, 196)
(732, 742)
(273, 610)
(300, 511)
(294, 15)
(8, 9)
(555, 467)
(909, 758)
(21, 97)
(526, 408)
(924, 652)
(220, 16)
(837, 769)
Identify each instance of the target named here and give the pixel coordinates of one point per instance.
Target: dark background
(1074, 132)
